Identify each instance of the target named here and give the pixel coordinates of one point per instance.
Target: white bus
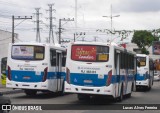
(96, 68)
(145, 72)
(36, 67)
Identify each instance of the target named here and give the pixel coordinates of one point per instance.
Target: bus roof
(37, 43)
(96, 43)
(103, 44)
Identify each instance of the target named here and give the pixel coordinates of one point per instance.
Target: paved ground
(5, 90)
(63, 104)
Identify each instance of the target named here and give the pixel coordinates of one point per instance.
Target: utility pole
(38, 39)
(13, 29)
(111, 16)
(74, 37)
(51, 36)
(60, 26)
(76, 14)
(60, 31)
(17, 18)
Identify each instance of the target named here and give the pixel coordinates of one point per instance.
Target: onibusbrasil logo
(21, 107)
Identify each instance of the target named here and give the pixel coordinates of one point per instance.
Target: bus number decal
(88, 71)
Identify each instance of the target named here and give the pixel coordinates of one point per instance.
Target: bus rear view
(36, 67)
(88, 71)
(99, 69)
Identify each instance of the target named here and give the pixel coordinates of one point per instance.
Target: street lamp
(111, 19)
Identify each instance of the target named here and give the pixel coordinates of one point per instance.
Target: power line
(60, 27)
(111, 16)
(13, 26)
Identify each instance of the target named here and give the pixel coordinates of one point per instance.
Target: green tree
(144, 40)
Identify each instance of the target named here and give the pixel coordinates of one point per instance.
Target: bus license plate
(26, 77)
(87, 81)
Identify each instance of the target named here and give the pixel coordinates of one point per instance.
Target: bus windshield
(91, 53)
(27, 52)
(141, 61)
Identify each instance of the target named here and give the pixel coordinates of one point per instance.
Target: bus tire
(30, 92)
(149, 87)
(129, 95)
(120, 98)
(132, 87)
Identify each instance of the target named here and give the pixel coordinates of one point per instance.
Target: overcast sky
(134, 15)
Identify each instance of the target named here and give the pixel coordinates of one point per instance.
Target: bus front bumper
(142, 83)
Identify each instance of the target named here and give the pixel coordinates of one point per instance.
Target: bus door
(58, 69)
(118, 64)
(117, 69)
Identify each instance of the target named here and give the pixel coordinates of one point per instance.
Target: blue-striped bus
(94, 68)
(145, 72)
(36, 67)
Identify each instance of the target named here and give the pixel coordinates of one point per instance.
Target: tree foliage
(144, 40)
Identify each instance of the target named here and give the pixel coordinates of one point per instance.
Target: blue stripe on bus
(79, 79)
(142, 77)
(21, 76)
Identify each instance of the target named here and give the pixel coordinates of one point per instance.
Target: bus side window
(115, 59)
(122, 60)
(53, 57)
(63, 59)
(151, 65)
(129, 61)
(125, 61)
